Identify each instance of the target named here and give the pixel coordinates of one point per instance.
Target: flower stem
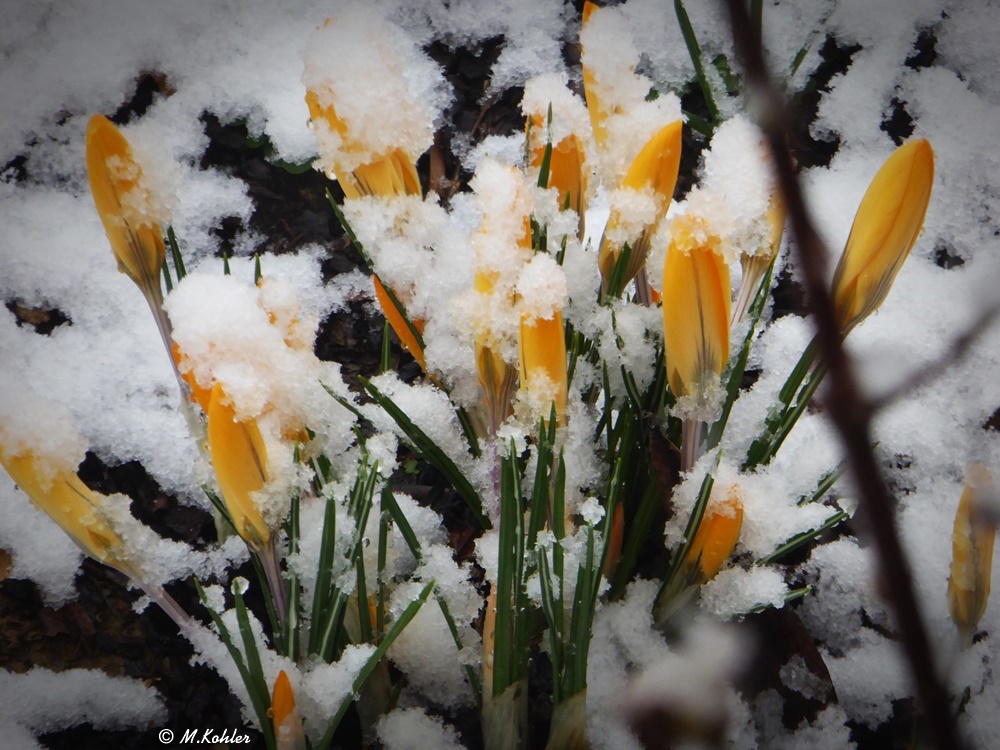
(691, 446)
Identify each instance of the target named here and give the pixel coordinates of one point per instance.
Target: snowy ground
(63, 61)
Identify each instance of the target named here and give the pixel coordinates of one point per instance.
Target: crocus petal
(199, 395)
(657, 165)
(398, 324)
(239, 457)
(888, 222)
(566, 167)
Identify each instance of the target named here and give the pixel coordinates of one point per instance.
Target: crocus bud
(386, 174)
(972, 555)
(696, 305)
(239, 457)
(70, 503)
(542, 337)
(653, 170)
(885, 228)
(716, 537)
(543, 360)
(288, 734)
(617, 535)
(496, 376)
(566, 166)
(754, 265)
(373, 97)
(124, 204)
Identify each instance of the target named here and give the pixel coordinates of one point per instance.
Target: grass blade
(397, 627)
(430, 451)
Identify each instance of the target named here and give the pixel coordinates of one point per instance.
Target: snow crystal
(735, 591)
(412, 729)
(44, 701)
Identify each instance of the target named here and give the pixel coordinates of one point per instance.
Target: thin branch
(937, 367)
(851, 413)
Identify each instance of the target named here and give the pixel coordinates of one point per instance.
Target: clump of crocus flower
(886, 226)
(972, 554)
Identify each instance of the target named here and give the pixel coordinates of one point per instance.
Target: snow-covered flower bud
(716, 537)
(653, 173)
(358, 68)
(696, 305)
(125, 204)
(288, 734)
(888, 222)
(972, 555)
(239, 457)
(58, 492)
(542, 337)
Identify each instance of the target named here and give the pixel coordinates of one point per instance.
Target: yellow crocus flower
(122, 203)
(972, 556)
(599, 113)
(654, 169)
(716, 538)
(542, 347)
(566, 167)
(886, 226)
(285, 717)
(696, 305)
(496, 376)
(542, 337)
(71, 504)
(754, 265)
(386, 174)
(239, 457)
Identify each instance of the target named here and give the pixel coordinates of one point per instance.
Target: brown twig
(937, 367)
(850, 411)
